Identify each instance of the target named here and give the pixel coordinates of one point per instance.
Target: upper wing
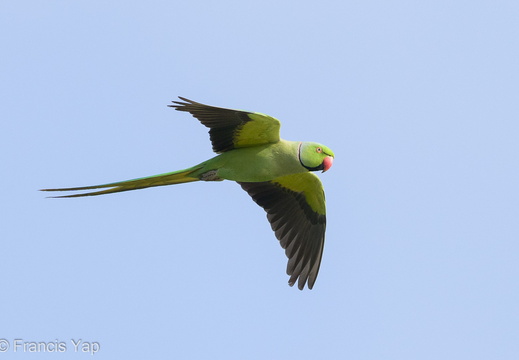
(230, 128)
(296, 211)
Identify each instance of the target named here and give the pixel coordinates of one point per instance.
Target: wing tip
(301, 282)
(179, 105)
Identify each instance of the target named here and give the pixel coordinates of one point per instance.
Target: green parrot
(274, 172)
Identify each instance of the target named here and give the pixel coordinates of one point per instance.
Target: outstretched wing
(296, 210)
(230, 129)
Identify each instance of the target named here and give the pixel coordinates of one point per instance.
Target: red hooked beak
(327, 163)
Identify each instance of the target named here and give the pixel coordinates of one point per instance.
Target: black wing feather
(223, 123)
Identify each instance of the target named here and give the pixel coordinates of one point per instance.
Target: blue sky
(418, 100)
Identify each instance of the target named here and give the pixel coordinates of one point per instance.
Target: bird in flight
(276, 173)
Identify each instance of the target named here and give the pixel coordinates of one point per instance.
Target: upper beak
(327, 163)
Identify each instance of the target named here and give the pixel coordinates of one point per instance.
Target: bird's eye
(319, 150)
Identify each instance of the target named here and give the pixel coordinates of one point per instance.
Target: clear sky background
(418, 100)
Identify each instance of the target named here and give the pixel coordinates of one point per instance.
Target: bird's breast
(260, 163)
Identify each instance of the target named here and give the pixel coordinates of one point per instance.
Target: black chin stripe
(316, 168)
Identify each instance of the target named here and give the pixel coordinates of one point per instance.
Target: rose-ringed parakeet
(275, 172)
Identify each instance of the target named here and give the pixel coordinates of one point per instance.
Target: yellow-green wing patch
(310, 186)
(229, 128)
(262, 129)
(295, 208)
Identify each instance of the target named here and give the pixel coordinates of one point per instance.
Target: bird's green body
(257, 163)
(275, 172)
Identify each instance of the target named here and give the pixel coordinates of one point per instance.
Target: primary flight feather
(274, 172)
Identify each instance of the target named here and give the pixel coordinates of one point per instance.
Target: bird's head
(315, 157)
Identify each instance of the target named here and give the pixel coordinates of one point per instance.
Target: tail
(176, 177)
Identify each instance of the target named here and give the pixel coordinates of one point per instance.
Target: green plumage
(275, 173)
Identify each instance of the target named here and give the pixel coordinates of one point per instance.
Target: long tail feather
(176, 177)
